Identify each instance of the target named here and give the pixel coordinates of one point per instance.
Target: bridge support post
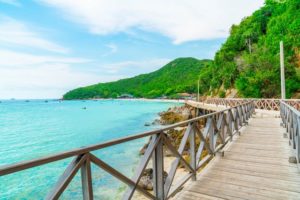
(86, 178)
(158, 170)
(193, 153)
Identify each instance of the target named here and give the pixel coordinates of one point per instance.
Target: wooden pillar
(158, 170)
(193, 152)
(86, 179)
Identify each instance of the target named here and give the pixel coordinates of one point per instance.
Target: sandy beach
(145, 99)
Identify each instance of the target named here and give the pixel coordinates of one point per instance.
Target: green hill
(180, 75)
(249, 59)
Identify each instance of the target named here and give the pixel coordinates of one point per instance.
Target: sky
(48, 47)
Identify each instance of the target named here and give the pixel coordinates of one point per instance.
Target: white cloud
(11, 2)
(46, 81)
(132, 68)
(28, 75)
(15, 59)
(23, 75)
(177, 19)
(113, 48)
(13, 32)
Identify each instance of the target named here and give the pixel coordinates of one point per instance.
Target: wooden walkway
(255, 167)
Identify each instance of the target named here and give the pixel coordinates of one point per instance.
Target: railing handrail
(11, 168)
(220, 125)
(254, 99)
(260, 103)
(297, 112)
(291, 122)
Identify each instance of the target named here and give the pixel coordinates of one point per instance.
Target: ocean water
(37, 128)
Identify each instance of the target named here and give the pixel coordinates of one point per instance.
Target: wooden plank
(264, 168)
(262, 147)
(265, 138)
(190, 195)
(245, 192)
(285, 177)
(214, 192)
(259, 153)
(249, 180)
(265, 142)
(258, 159)
(262, 153)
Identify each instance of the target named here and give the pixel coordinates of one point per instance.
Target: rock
(147, 124)
(143, 149)
(174, 115)
(167, 152)
(293, 160)
(146, 181)
(156, 122)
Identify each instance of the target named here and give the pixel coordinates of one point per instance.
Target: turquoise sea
(37, 128)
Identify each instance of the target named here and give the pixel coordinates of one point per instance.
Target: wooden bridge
(255, 165)
(242, 149)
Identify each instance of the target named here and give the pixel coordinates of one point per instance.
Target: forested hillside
(249, 59)
(180, 75)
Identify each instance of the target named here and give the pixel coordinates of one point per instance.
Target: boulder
(147, 124)
(146, 181)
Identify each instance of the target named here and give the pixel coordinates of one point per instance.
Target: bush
(222, 94)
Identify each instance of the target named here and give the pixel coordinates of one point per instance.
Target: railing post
(212, 136)
(193, 151)
(158, 170)
(298, 139)
(86, 179)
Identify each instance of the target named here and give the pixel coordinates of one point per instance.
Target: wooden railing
(218, 129)
(291, 121)
(264, 104)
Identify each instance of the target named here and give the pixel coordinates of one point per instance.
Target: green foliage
(222, 94)
(180, 75)
(249, 59)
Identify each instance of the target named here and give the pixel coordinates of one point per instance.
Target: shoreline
(152, 100)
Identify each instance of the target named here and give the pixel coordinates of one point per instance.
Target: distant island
(248, 62)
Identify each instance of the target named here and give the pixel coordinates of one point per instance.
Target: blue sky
(48, 47)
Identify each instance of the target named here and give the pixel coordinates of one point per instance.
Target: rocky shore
(172, 115)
